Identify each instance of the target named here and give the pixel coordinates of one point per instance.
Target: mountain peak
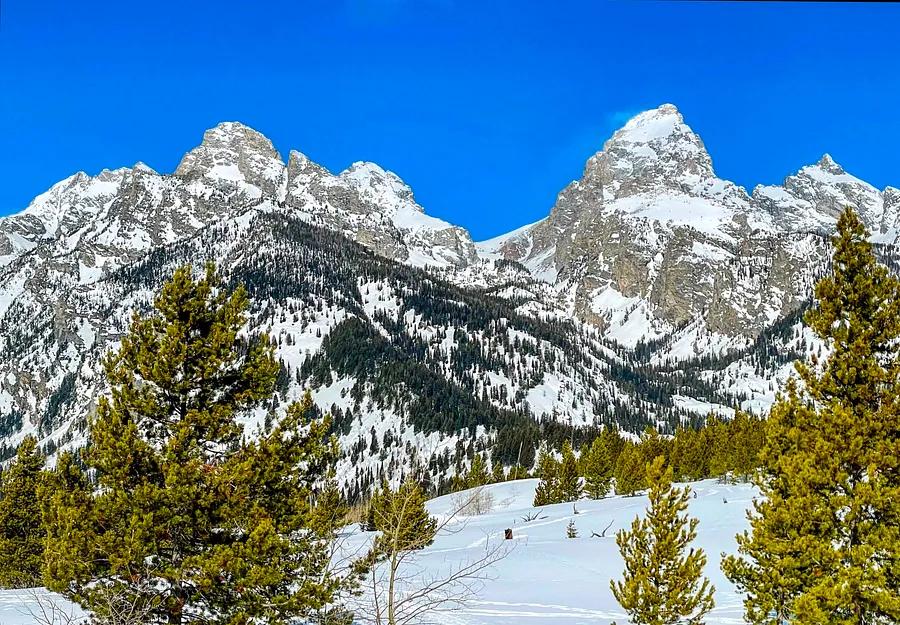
(659, 133)
(225, 133)
(827, 172)
(826, 163)
(653, 125)
(373, 181)
(142, 167)
(654, 150)
(235, 152)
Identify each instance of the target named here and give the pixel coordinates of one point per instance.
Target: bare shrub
(402, 591)
(45, 608)
(474, 502)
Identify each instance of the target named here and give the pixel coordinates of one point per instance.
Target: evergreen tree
(376, 503)
(568, 480)
(747, 436)
(776, 567)
(824, 544)
(715, 441)
(690, 457)
(548, 488)
(66, 489)
(477, 475)
(571, 530)
(21, 530)
(598, 469)
(517, 472)
(188, 518)
(613, 441)
(403, 521)
(497, 473)
(653, 445)
(663, 582)
(630, 470)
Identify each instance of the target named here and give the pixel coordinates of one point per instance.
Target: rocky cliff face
(650, 243)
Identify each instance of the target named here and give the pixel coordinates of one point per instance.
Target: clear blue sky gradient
(487, 109)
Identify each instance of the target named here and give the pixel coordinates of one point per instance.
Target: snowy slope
(547, 578)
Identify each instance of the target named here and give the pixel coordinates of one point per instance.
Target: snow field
(547, 578)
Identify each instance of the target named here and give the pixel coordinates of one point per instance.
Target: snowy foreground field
(546, 578)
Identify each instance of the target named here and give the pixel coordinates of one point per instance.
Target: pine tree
(824, 544)
(568, 480)
(776, 567)
(598, 469)
(716, 442)
(517, 472)
(376, 503)
(330, 511)
(571, 530)
(613, 441)
(630, 472)
(187, 517)
(21, 530)
(66, 490)
(653, 445)
(477, 475)
(690, 458)
(663, 582)
(548, 488)
(497, 473)
(403, 521)
(747, 436)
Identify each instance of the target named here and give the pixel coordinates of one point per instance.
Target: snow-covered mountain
(653, 292)
(650, 245)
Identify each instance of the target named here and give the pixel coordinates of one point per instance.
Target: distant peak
(827, 171)
(826, 163)
(654, 148)
(229, 133)
(372, 179)
(142, 167)
(295, 156)
(366, 168)
(231, 143)
(653, 125)
(107, 175)
(364, 173)
(663, 110)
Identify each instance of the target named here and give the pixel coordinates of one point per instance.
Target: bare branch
(403, 592)
(603, 533)
(44, 608)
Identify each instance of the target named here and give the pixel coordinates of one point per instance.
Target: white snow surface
(653, 125)
(23, 607)
(548, 578)
(545, 577)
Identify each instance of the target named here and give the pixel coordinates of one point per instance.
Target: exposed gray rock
(650, 241)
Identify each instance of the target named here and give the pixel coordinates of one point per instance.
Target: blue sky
(487, 109)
